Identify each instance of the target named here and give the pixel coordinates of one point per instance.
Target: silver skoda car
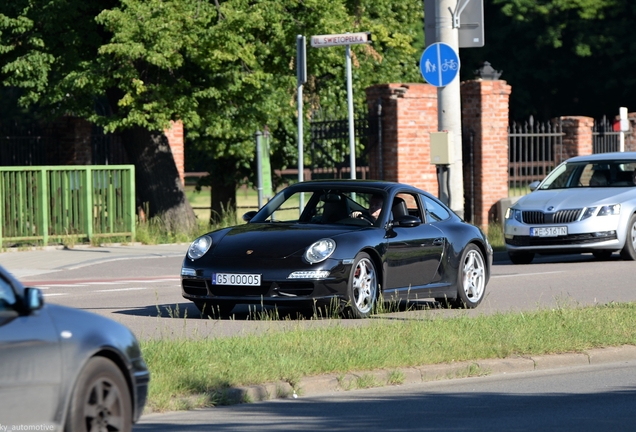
(586, 204)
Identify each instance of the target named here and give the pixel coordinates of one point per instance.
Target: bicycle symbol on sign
(449, 64)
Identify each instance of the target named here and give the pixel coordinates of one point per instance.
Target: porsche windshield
(324, 206)
(592, 174)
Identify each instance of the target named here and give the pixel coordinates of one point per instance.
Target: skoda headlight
(513, 214)
(199, 247)
(610, 210)
(320, 250)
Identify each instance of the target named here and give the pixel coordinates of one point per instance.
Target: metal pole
(381, 158)
(301, 75)
(352, 139)
(449, 104)
(259, 168)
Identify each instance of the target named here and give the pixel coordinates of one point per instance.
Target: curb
(311, 386)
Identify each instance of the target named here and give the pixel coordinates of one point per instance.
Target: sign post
(439, 64)
(347, 39)
(301, 78)
(443, 21)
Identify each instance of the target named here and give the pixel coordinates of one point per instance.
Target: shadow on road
(408, 412)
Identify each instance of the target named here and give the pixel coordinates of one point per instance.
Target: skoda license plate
(549, 231)
(236, 279)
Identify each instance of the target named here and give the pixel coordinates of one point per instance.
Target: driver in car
(375, 207)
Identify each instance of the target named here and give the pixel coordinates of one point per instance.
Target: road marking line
(121, 289)
(526, 274)
(54, 294)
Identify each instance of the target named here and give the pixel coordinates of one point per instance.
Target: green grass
(496, 237)
(194, 373)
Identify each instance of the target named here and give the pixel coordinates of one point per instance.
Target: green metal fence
(51, 203)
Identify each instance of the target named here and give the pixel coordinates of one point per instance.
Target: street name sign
(321, 41)
(439, 64)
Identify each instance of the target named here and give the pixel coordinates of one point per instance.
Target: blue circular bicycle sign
(439, 64)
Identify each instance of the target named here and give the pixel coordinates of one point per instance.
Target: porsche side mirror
(407, 221)
(249, 215)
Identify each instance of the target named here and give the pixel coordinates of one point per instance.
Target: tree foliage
(224, 68)
(561, 57)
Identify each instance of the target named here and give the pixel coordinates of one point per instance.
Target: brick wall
(485, 114)
(175, 139)
(409, 114)
(578, 136)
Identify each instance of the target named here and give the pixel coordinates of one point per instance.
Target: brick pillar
(485, 114)
(74, 137)
(630, 137)
(577, 140)
(175, 139)
(409, 113)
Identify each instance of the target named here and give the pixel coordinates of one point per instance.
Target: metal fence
(534, 150)
(604, 138)
(330, 148)
(40, 204)
(26, 145)
(107, 149)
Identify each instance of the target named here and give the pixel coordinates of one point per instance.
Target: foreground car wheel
(471, 280)
(629, 250)
(101, 400)
(215, 310)
(363, 288)
(521, 257)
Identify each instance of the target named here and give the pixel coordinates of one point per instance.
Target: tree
(572, 57)
(224, 68)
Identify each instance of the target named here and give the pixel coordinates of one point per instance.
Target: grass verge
(194, 373)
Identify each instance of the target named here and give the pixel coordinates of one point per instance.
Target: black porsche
(326, 243)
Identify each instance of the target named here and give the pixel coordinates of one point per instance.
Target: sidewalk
(50, 259)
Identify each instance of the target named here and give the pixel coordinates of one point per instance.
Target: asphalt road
(143, 292)
(590, 398)
(140, 287)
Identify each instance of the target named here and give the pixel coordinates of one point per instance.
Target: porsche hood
(273, 241)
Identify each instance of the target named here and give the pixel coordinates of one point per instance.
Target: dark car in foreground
(65, 369)
(586, 204)
(317, 243)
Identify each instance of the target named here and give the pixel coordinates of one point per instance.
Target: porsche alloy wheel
(471, 279)
(101, 400)
(363, 287)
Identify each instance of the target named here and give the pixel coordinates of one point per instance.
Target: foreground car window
(7, 297)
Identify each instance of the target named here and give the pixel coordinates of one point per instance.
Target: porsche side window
(7, 296)
(435, 212)
(410, 202)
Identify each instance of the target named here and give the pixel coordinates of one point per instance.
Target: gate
(534, 151)
(604, 138)
(330, 144)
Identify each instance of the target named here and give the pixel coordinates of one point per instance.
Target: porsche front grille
(533, 217)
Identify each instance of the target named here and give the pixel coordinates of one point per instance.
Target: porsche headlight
(199, 247)
(320, 250)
